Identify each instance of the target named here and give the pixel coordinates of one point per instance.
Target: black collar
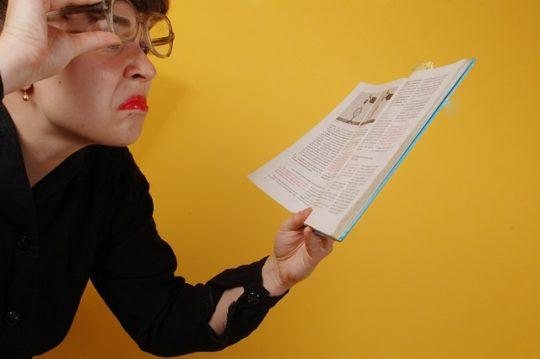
(17, 199)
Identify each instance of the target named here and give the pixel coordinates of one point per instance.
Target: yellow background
(446, 261)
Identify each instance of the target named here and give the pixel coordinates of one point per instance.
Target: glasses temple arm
(163, 40)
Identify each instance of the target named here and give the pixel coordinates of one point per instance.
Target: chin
(130, 139)
(126, 137)
(131, 133)
(125, 131)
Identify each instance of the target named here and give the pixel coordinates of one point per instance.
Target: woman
(75, 206)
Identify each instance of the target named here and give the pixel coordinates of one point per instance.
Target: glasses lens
(124, 20)
(160, 33)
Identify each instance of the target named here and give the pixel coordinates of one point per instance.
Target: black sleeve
(1, 88)
(166, 316)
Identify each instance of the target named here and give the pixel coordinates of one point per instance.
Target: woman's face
(83, 100)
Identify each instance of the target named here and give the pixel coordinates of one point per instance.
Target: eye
(94, 17)
(114, 47)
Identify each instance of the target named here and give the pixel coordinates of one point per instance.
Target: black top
(91, 217)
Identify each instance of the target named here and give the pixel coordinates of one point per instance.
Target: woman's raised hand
(32, 50)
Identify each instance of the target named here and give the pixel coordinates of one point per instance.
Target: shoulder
(115, 169)
(118, 185)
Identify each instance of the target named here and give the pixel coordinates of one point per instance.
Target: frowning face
(100, 96)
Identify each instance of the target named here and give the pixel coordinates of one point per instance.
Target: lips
(135, 103)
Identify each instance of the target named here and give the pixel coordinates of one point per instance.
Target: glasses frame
(107, 6)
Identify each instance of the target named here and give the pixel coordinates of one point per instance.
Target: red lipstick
(135, 103)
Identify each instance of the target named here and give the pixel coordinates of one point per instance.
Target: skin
(92, 86)
(78, 76)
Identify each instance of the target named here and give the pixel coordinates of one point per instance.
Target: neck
(44, 146)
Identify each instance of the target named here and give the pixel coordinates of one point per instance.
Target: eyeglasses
(122, 18)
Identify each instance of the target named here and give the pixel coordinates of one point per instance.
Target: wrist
(6, 71)
(10, 69)
(271, 278)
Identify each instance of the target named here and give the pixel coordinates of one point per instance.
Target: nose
(139, 65)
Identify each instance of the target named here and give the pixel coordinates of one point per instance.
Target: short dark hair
(161, 6)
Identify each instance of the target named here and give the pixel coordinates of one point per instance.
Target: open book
(342, 163)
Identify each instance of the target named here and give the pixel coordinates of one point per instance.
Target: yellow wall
(444, 264)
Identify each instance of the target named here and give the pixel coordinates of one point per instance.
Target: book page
(339, 163)
(297, 177)
(400, 119)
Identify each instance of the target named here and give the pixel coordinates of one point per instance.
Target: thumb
(94, 40)
(296, 221)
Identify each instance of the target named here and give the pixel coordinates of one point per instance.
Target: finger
(313, 244)
(94, 40)
(308, 239)
(328, 244)
(58, 4)
(318, 246)
(23, 12)
(296, 221)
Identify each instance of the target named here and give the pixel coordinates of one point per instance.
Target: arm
(31, 50)
(297, 251)
(269, 270)
(218, 321)
(7, 69)
(134, 273)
